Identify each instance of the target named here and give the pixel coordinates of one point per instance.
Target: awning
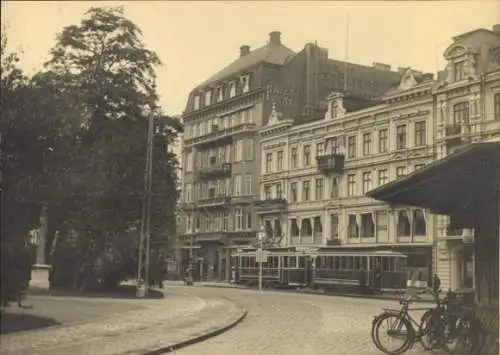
(452, 185)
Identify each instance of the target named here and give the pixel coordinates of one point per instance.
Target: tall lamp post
(142, 288)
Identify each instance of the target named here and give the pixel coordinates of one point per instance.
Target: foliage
(77, 135)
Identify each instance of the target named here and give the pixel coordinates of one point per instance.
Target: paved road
(288, 323)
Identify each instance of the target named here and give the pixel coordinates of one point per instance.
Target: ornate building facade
(315, 175)
(221, 156)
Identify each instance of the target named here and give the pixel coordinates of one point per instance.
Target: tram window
(302, 262)
(337, 263)
(292, 261)
(357, 262)
(319, 262)
(364, 262)
(386, 264)
(349, 263)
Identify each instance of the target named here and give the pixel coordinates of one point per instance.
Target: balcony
(273, 205)
(215, 170)
(452, 130)
(330, 163)
(217, 201)
(221, 136)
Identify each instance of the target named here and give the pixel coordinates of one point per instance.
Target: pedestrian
(233, 274)
(436, 284)
(24, 267)
(377, 276)
(362, 280)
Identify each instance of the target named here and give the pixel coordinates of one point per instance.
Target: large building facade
(315, 175)
(221, 155)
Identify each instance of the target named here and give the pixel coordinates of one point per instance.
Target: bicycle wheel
(469, 338)
(425, 329)
(399, 330)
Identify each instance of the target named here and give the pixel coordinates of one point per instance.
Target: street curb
(390, 298)
(200, 338)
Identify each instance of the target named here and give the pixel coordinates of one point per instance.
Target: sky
(196, 39)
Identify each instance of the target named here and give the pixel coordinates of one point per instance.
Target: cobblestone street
(288, 323)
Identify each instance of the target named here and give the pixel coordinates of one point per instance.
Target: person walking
(362, 280)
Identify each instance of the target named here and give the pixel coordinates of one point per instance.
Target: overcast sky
(196, 39)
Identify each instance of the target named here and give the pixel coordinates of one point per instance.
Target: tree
(103, 64)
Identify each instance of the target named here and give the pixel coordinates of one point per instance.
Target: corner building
(221, 156)
(315, 175)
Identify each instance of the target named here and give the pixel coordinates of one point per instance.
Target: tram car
(326, 269)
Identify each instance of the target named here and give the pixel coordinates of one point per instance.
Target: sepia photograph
(250, 177)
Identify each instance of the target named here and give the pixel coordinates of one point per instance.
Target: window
(248, 152)
(404, 228)
(319, 189)
(461, 113)
(189, 161)
(401, 137)
(239, 219)
(419, 223)
(294, 227)
(351, 147)
(220, 94)
(293, 191)
(335, 187)
(188, 192)
(351, 185)
(420, 133)
(318, 226)
(294, 157)
(267, 192)
(496, 110)
(279, 160)
(208, 97)
(458, 71)
(279, 191)
(334, 223)
(367, 226)
(238, 150)
(367, 181)
(352, 227)
(232, 89)
(307, 155)
(196, 102)
(305, 191)
(245, 84)
(269, 162)
(212, 189)
(383, 177)
(247, 184)
(306, 227)
(247, 222)
(400, 171)
(189, 224)
(320, 149)
(237, 185)
(367, 143)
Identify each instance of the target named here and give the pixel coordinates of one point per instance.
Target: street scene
(250, 178)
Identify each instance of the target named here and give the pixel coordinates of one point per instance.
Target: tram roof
(251, 252)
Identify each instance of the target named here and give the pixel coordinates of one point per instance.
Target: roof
(461, 180)
(270, 53)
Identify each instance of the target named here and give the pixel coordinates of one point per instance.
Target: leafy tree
(103, 65)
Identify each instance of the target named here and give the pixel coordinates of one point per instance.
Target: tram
(328, 269)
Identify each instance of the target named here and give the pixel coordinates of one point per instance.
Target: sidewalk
(158, 326)
(427, 298)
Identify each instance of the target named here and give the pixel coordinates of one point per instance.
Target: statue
(469, 68)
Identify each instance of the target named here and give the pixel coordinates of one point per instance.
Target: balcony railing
(452, 130)
(276, 204)
(221, 134)
(216, 201)
(330, 162)
(223, 169)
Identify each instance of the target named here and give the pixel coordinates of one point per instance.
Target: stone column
(42, 237)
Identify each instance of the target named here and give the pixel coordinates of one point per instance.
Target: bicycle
(414, 330)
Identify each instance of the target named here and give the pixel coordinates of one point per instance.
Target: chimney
(381, 66)
(275, 37)
(496, 28)
(244, 50)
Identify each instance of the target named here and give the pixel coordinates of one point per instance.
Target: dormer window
(208, 97)
(220, 94)
(197, 102)
(458, 71)
(245, 83)
(232, 89)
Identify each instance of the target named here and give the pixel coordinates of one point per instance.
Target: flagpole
(346, 52)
